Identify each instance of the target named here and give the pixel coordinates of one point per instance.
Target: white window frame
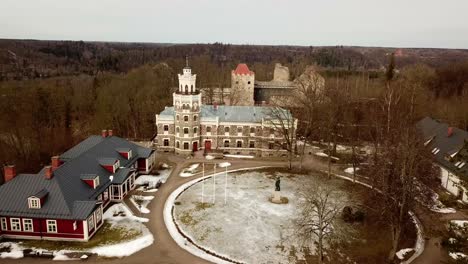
(28, 222)
(106, 194)
(3, 222)
(91, 223)
(75, 226)
(188, 144)
(16, 226)
(98, 215)
(34, 203)
(53, 224)
(96, 182)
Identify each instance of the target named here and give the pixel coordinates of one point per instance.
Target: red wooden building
(66, 201)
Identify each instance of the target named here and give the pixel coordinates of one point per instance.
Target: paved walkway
(166, 251)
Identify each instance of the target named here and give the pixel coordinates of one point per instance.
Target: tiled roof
(242, 68)
(68, 196)
(447, 150)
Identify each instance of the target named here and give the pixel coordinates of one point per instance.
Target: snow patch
(15, 251)
(209, 157)
(321, 154)
(457, 255)
(350, 170)
(127, 248)
(120, 207)
(224, 164)
(144, 201)
(401, 254)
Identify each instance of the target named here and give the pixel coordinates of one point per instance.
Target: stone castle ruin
(246, 91)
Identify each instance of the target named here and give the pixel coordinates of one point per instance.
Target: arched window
(177, 144)
(195, 117)
(186, 118)
(195, 130)
(186, 89)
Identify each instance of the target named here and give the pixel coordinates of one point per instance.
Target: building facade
(189, 125)
(449, 146)
(66, 200)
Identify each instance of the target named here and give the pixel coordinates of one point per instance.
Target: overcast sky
(395, 23)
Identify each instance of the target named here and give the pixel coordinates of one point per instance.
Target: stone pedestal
(276, 197)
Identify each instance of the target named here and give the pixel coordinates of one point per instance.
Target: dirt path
(166, 251)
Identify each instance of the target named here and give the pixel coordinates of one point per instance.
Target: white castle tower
(187, 104)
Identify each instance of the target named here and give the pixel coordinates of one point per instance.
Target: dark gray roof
(240, 114)
(41, 194)
(82, 147)
(69, 196)
(121, 175)
(88, 176)
(451, 149)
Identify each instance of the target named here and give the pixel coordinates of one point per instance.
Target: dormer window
(110, 164)
(37, 200)
(34, 203)
(91, 179)
(125, 152)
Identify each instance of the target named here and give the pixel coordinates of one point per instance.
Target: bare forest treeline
(67, 91)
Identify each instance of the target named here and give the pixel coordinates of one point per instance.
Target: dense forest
(55, 93)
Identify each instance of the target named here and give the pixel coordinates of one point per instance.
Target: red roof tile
(242, 68)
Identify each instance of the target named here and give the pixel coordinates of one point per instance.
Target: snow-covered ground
(16, 251)
(401, 254)
(248, 228)
(458, 255)
(321, 154)
(152, 180)
(350, 170)
(190, 171)
(144, 201)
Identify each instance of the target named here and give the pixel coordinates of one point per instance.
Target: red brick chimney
(55, 161)
(9, 172)
(110, 133)
(449, 131)
(49, 172)
(104, 133)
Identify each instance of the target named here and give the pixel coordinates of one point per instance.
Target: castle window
(186, 88)
(4, 223)
(166, 127)
(195, 130)
(271, 145)
(177, 144)
(186, 130)
(195, 118)
(186, 145)
(166, 142)
(186, 118)
(177, 129)
(226, 129)
(251, 144)
(177, 117)
(248, 82)
(239, 144)
(208, 129)
(226, 143)
(252, 130)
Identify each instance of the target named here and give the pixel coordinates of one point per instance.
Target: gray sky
(396, 23)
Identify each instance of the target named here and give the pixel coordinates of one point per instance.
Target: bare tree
(284, 125)
(319, 210)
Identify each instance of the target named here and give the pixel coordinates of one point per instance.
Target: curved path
(165, 250)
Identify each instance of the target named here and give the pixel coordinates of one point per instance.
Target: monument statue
(277, 184)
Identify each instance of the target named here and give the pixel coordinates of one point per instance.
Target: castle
(238, 128)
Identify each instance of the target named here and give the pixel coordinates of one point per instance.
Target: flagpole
(214, 184)
(225, 186)
(203, 185)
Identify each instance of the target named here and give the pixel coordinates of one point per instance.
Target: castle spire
(186, 61)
